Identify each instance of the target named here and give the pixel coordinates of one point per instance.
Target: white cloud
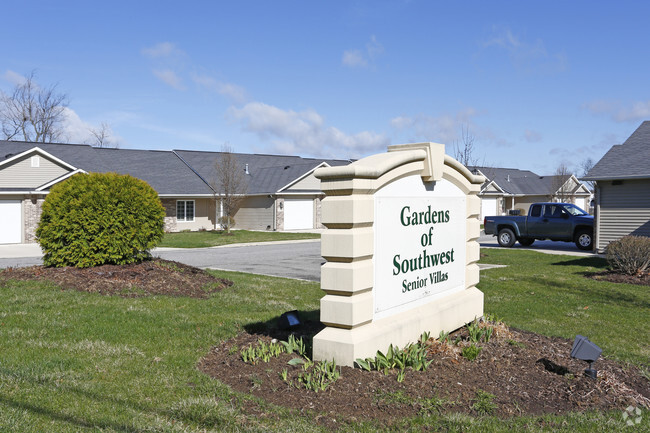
(75, 129)
(618, 112)
(355, 58)
(442, 129)
(162, 50)
(530, 57)
(532, 136)
(14, 78)
(235, 93)
(304, 132)
(170, 78)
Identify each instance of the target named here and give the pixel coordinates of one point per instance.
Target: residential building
(282, 192)
(622, 179)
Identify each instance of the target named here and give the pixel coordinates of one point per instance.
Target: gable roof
(163, 170)
(513, 181)
(172, 173)
(630, 160)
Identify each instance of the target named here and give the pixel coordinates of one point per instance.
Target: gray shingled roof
(267, 173)
(520, 182)
(625, 161)
(163, 170)
(180, 172)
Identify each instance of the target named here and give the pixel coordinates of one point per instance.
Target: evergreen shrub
(629, 255)
(100, 218)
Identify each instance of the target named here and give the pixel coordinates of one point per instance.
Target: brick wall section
(32, 209)
(170, 214)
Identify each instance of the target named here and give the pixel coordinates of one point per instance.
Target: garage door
(488, 207)
(298, 214)
(10, 222)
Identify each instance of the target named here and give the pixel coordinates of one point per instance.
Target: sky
(536, 84)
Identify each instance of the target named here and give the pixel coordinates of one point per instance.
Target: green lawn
(214, 238)
(73, 361)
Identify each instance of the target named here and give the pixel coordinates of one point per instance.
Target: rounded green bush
(100, 218)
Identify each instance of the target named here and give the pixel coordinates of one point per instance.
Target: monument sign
(401, 250)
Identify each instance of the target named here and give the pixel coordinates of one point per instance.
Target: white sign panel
(419, 247)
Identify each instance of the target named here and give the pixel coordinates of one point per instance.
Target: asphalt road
(293, 259)
(300, 260)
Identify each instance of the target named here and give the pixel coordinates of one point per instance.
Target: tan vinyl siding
(204, 215)
(21, 174)
(308, 183)
(624, 210)
(255, 213)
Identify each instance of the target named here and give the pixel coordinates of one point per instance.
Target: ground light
(289, 320)
(585, 350)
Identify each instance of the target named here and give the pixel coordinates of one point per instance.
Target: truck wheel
(506, 238)
(584, 239)
(526, 242)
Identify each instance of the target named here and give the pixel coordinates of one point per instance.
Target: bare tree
(464, 153)
(559, 187)
(230, 184)
(585, 166)
(32, 113)
(102, 136)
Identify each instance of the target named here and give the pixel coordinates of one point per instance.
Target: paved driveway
(548, 247)
(295, 259)
(291, 259)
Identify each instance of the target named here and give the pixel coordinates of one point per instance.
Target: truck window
(536, 211)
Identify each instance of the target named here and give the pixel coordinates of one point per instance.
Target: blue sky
(536, 83)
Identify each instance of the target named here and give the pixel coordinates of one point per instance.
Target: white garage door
(298, 214)
(10, 222)
(488, 207)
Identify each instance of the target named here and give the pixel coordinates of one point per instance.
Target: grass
(80, 362)
(213, 238)
(548, 294)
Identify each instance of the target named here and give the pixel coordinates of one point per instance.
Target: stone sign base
(446, 314)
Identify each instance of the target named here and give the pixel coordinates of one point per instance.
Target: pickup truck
(555, 221)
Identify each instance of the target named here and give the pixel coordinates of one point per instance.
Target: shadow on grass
(309, 326)
(594, 262)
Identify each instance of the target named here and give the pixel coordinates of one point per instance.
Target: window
(537, 211)
(185, 210)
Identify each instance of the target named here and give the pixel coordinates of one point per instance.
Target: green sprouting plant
(261, 351)
(433, 404)
(516, 343)
(424, 338)
(320, 377)
(470, 352)
(296, 345)
(284, 374)
(443, 337)
(413, 356)
(483, 404)
(233, 349)
(487, 333)
(475, 332)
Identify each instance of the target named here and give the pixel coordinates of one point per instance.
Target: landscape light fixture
(585, 350)
(289, 320)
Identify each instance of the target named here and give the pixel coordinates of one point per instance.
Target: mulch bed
(526, 372)
(151, 277)
(613, 277)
